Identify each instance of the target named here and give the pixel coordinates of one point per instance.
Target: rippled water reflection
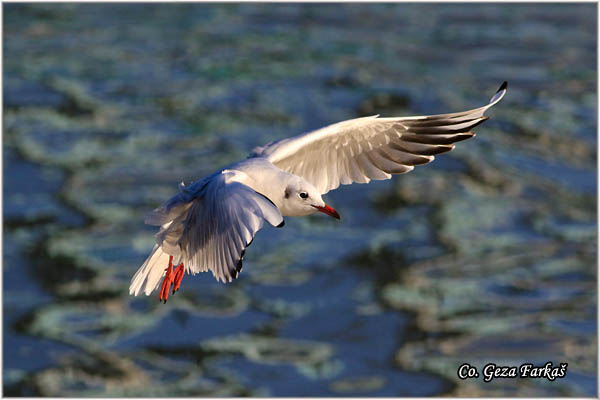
(486, 255)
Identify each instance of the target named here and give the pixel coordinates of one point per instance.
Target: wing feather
(437, 139)
(384, 163)
(421, 149)
(345, 168)
(370, 169)
(406, 158)
(356, 173)
(366, 148)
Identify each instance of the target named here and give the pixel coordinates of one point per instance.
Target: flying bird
(209, 224)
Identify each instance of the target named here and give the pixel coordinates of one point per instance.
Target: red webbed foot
(167, 282)
(172, 277)
(178, 276)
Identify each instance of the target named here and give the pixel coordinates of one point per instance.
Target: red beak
(329, 211)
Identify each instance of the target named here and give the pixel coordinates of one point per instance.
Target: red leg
(179, 271)
(167, 281)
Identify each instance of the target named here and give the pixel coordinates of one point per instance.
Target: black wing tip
(281, 224)
(503, 86)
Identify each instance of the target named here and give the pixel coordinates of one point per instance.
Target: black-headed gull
(209, 224)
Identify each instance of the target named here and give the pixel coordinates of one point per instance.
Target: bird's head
(302, 198)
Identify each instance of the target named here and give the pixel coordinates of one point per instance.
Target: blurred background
(486, 255)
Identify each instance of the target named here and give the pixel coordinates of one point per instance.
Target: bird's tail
(146, 278)
(170, 217)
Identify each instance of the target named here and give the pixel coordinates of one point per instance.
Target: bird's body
(261, 175)
(209, 224)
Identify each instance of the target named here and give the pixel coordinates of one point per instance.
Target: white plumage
(209, 224)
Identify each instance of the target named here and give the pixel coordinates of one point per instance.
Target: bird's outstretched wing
(362, 149)
(218, 220)
(222, 223)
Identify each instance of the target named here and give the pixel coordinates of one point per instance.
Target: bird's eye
(304, 195)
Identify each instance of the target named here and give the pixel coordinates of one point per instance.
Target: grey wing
(363, 149)
(220, 223)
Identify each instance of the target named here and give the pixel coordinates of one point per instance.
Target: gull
(209, 224)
